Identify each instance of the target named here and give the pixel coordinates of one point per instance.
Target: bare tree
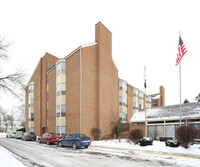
(3, 49)
(21, 111)
(10, 83)
(5, 118)
(11, 119)
(0, 118)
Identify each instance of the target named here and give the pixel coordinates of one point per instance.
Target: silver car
(18, 134)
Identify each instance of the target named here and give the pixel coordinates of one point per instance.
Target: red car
(49, 138)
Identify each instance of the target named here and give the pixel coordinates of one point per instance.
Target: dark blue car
(75, 141)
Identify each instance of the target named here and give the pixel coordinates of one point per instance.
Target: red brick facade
(40, 87)
(91, 89)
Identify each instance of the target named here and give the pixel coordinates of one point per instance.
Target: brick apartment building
(82, 91)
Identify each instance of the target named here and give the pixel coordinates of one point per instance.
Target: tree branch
(3, 49)
(12, 83)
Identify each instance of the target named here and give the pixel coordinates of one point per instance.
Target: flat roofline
(165, 119)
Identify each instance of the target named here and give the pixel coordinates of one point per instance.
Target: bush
(135, 135)
(21, 129)
(172, 143)
(96, 133)
(118, 129)
(185, 135)
(198, 133)
(145, 141)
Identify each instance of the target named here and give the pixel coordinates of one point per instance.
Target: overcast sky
(143, 33)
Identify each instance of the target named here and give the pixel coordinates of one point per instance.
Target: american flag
(181, 51)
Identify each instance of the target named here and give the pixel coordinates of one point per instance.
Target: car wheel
(74, 146)
(59, 144)
(48, 142)
(86, 146)
(39, 141)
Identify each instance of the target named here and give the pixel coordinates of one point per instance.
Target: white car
(10, 134)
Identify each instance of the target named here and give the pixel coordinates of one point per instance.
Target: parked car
(10, 134)
(18, 134)
(75, 141)
(29, 136)
(49, 138)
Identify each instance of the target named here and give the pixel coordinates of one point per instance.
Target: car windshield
(52, 134)
(81, 135)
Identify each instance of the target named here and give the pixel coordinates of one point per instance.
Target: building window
(61, 68)
(122, 101)
(31, 129)
(57, 110)
(60, 89)
(62, 128)
(148, 99)
(140, 95)
(58, 68)
(122, 86)
(58, 130)
(155, 102)
(122, 116)
(63, 111)
(135, 92)
(31, 88)
(135, 105)
(31, 102)
(31, 117)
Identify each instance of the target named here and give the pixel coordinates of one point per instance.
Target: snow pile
(7, 159)
(156, 147)
(2, 134)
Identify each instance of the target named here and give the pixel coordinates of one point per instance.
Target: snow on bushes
(145, 141)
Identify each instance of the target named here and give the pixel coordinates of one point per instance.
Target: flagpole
(180, 112)
(145, 112)
(181, 52)
(145, 115)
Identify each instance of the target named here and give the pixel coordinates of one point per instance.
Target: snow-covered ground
(7, 158)
(179, 155)
(100, 153)
(193, 150)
